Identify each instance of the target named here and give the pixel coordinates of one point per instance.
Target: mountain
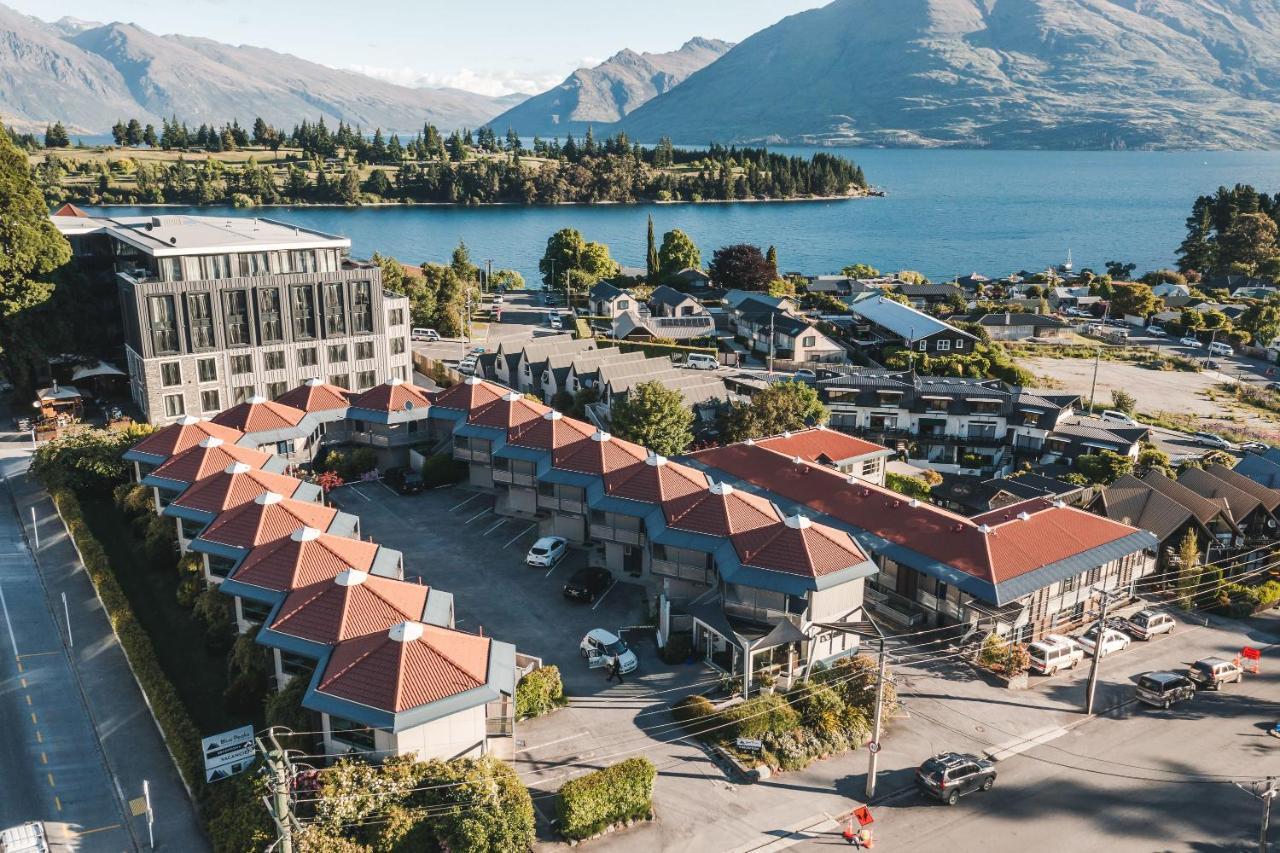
(90, 75)
(998, 73)
(609, 91)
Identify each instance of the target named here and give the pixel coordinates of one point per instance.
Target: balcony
(515, 478)
(617, 534)
(560, 504)
(466, 454)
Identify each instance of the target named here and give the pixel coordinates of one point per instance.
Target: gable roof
(606, 291)
(258, 414)
(676, 328)
(351, 604)
(903, 320)
(1131, 501)
(1204, 509)
(1269, 498)
(1011, 319)
(822, 446)
(1260, 469)
(182, 435)
(664, 295)
(1240, 502)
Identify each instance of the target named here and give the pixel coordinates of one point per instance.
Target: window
(173, 405)
(809, 341)
(241, 393)
(395, 317)
(200, 319)
(397, 346)
(366, 379)
(924, 346)
(164, 324)
(303, 303)
(307, 357)
(275, 389)
(215, 266)
(207, 369)
(269, 327)
(284, 448)
(337, 353)
(170, 374)
(870, 467)
(273, 360)
(944, 345)
(171, 269)
(364, 349)
(341, 380)
(355, 734)
(235, 304)
(241, 364)
(959, 343)
(361, 307)
(304, 261)
(401, 373)
(623, 304)
(1069, 584)
(209, 401)
(335, 310)
(254, 263)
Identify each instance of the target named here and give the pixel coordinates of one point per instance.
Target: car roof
(1162, 675)
(547, 541)
(601, 635)
(1210, 661)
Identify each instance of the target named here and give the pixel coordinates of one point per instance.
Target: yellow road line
(51, 780)
(44, 759)
(57, 802)
(39, 737)
(98, 829)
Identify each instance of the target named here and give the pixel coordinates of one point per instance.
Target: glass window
(164, 324)
(208, 369)
(209, 401)
(364, 349)
(304, 261)
(307, 357)
(960, 343)
(944, 345)
(173, 405)
(355, 734)
(924, 346)
(284, 448)
(215, 266)
(337, 353)
(254, 263)
(241, 364)
(273, 360)
(400, 372)
(395, 317)
(341, 380)
(275, 389)
(235, 304)
(200, 320)
(366, 379)
(269, 327)
(361, 307)
(809, 341)
(170, 374)
(303, 304)
(241, 393)
(397, 346)
(171, 269)
(335, 310)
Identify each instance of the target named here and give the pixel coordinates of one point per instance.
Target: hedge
(589, 804)
(653, 350)
(540, 692)
(442, 469)
(180, 733)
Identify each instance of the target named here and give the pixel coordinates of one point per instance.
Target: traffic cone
(848, 831)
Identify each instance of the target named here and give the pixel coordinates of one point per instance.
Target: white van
(1118, 417)
(701, 361)
(421, 334)
(1053, 653)
(1219, 348)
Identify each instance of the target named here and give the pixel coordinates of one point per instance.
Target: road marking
(51, 785)
(1011, 748)
(457, 507)
(44, 759)
(34, 721)
(39, 736)
(556, 566)
(495, 525)
(9, 624)
(478, 515)
(57, 802)
(28, 700)
(519, 536)
(23, 680)
(388, 488)
(37, 654)
(553, 742)
(98, 829)
(362, 495)
(606, 592)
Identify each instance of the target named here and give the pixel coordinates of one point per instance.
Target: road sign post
(151, 815)
(66, 611)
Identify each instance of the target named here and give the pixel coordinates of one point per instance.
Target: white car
(600, 647)
(1155, 331)
(24, 838)
(1112, 641)
(1194, 343)
(547, 551)
(1208, 439)
(804, 374)
(422, 334)
(1118, 417)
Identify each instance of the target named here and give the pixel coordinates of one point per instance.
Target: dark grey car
(951, 775)
(1163, 689)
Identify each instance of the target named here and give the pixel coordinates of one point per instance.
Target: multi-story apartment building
(218, 310)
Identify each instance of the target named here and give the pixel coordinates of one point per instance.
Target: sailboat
(1068, 266)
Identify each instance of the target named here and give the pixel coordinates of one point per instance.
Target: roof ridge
(442, 654)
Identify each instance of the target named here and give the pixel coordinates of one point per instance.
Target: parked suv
(1212, 673)
(1145, 624)
(406, 481)
(1163, 689)
(951, 775)
(1053, 653)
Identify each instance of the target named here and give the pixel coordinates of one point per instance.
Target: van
(1163, 689)
(1118, 417)
(701, 361)
(1145, 624)
(1053, 653)
(1219, 348)
(421, 334)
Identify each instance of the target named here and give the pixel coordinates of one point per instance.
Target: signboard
(749, 744)
(874, 746)
(228, 753)
(1250, 653)
(863, 814)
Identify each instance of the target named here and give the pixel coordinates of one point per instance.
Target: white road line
(456, 507)
(356, 491)
(495, 525)
(482, 512)
(388, 488)
(556, 566)
(603, 594)
(8, 623)
(519, 536)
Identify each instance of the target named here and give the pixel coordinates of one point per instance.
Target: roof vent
(722, 489)
(395, 380)
(351, 577)
(304, 534)
(913, 503)
(268, 498)
(552, 415)
(851, 479)
(257, 400)
(600, 435)
(984, 528)
(314, 382)
(1024, 515)
(798, 522)
(473, 380)
(786, 433)
(238, 468)
(1059, 503)
(405, 632)
(511, 396)
(750, 441)
(655, 459)
(188, 420)
(210, 442)
(797, 460)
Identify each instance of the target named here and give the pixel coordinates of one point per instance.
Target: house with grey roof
(879, 322)
(605, 300)
(1019, 325)
(669, 302)
(630, 326)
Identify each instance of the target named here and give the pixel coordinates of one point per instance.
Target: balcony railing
(515, 478)
(466, 454)
(617, 534)
(562, 504)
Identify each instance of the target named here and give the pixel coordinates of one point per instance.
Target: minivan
(1163, 689)
(1219, 348)
(1119, 417)
(420, 334)
(701, 361)
(1053, 653)
(1145, 624)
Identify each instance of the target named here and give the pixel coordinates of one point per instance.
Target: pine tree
(771, 258)
(1188, 569)
(149, 136)
(651, 258)
(55, 136)
(133, 133)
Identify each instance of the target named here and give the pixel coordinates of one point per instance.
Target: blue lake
(945, 213)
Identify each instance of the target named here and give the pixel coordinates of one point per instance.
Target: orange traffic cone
(865, 839)
(848, 831)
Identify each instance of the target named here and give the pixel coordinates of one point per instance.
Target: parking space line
(519, 536)
(388, 488)
(362, 495)
(495, 525)
(556, 566)
(479, 514)
(603, 594)
(456, 507)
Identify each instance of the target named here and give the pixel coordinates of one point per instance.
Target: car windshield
(933, 767)
(536, 551)
(617, 647)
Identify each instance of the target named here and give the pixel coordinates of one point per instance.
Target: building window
(623, 304)
(276, 389)
(270, 330)
(209, 401)
(207, 368)
(236, 305)
(241, 393)
(335, 310)
(959, 343)
(366, 379)
(173, 405)
(200, 320)
(341, 380)
(284, 448)
(401, 373)
(808, 341)
(364, 349)
(397, 346)
(361, 308)
(273, 360)
(924, 346)
(303, 303)
(164, 324)
(395, 317)
(170, 374)
(307, 357)
(241, 364)
(944, 345)
(337, 353)
(254, 263)
(870, 468)
(171, 269)
(361, 737)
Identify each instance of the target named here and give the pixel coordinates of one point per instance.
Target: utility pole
(488, 276)
(1266, 795)
(1093, 388)
(1097, 654)
(278, 802)
(873, 748)
(771, 344)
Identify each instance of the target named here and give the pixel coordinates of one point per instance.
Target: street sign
(749, 744)
(874, 746)
(1250, 653)
(863, 814)
(228, 753)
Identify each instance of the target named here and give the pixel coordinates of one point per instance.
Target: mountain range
(609, 91)
(999, 73)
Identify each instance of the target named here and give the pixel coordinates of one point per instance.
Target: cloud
(492, 83)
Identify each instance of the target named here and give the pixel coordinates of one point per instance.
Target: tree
(1188, 568)
(1262, 320)
(86, 458)
(771, 256)
(568, 253)
(654, 416)
(651, 256)
(508, 279)
(912, 277)
(1104, 467)
(55, 136)
(860, 270)
(1134, 299)
(1152, 458)
(1123, 401)
(783, 406)
(149, 136)
(1249, 242)
(392, 272)
(30, 246)
(741, 267)
(912, 487)
(678, 252)
(1119, 270)
(133, 133)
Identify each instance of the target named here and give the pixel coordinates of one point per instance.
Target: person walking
(615, 670)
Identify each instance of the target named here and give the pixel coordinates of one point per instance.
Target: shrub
(820, 708)
(696, 713)
(590, 803)
(540, 692)
(678, 648)
(759, 716)
(443, 470)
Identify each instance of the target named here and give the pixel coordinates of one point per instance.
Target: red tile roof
(304, 557)
(234, 485)
(70, 209)
(183, 435)
(600, 455)
(655, 481)
(267, 517)
(469, 395)
(820, 445)
(409, 666)
(552, 431)
(720, 510)
(208, 457)
(315, 396)
(511, 411)
(393, 396)
(258, 414)
(799, 546)
(352, 604)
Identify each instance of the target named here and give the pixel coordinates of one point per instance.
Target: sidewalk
(133, 747)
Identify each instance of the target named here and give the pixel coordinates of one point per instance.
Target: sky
(494, 47)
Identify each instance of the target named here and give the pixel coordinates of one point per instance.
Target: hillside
(89, 75)
(610, 90)
(1000, 73)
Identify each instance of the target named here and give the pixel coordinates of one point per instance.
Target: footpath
(130, 741)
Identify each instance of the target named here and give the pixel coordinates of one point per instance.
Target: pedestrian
(615, 670)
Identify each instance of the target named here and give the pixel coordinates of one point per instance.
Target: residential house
(690, 279)
(823, 446)
(634, 327)
(1132, 501)
(1018, 326)
(584, 369)
(1263, 469)
(390, 418)
(1076, 436)
(605, 300)
(775, 334)
(512, 367)
(669, 302)
(184, 434)
(274, 427)
(973, 496)
(1252, 505)
(926, 296)
(879, 322)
